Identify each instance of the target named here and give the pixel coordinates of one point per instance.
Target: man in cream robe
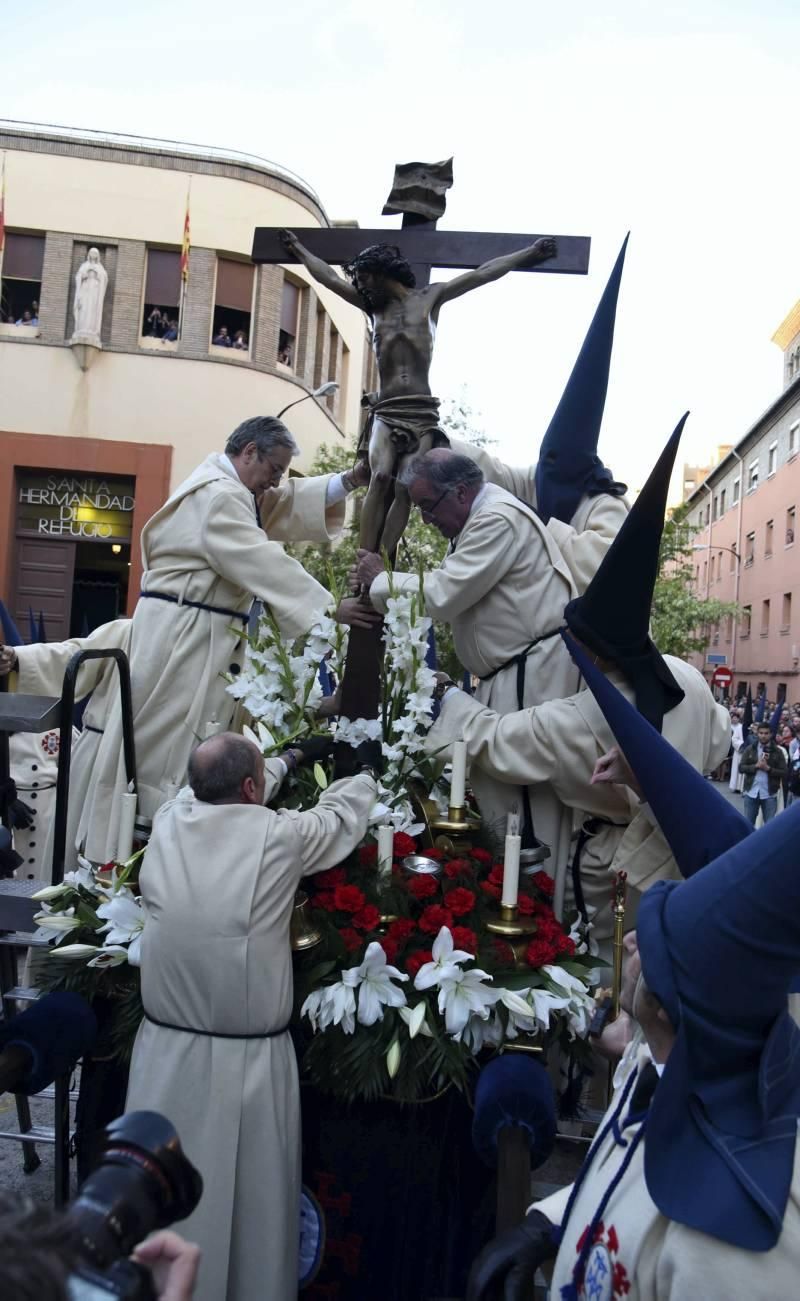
(205, 557)
(558, 744)
(214, 1053)
(591, 529)
(502, 587)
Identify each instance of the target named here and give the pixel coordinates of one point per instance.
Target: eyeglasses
(429, 510)
(277, 470)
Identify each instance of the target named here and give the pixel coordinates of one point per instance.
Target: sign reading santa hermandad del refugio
(75, 506)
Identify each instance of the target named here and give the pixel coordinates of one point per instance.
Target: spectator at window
(222, 339)
(156, 324)
(240, 341)
(285, 355)
(25, 319)
(171, 332)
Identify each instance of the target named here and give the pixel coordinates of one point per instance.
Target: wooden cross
(418, 193)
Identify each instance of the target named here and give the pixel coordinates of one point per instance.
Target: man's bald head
(227, 769)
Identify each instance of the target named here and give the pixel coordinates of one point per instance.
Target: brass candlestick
(303, 934)
(618, 910)
(515, 930)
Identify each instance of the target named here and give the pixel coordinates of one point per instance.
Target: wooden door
(43, 578)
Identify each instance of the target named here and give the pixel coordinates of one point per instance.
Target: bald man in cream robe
(502, 589)
(558, 744)
(218, 886)
(205, 556)
(585, 539)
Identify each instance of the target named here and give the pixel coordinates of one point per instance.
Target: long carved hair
(382, 260)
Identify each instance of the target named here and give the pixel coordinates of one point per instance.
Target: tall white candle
(511, 871)
(127, 818)
(512, 823)
(385, 850)
(458, 776)
(212, 728)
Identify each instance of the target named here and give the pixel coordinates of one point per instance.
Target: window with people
(233, 305)
(290, 323)
(21, 284)
(162, 295)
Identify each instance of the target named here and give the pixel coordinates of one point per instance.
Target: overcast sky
(677, 121)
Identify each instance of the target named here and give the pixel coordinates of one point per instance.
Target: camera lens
(143, 1181)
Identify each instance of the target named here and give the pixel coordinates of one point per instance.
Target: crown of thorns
(383, 260)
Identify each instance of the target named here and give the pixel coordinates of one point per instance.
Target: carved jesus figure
(403, 417)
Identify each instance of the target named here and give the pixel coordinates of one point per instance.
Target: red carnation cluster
(367, 855)
(367, 918)
(400, 930)
(457, 867)
(330, 879)
(481, 856)
(464, 938)
(404, 844)
(497, 873)
(544, 883)
(325, 901)
(489, 888)
(348, 898)
(418, 960)
(422, 887)
(460, 901)
(351, 939)
(434, 918)
(526, 907)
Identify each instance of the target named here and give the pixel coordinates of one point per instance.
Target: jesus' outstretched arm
(321, 271)
(495, 269)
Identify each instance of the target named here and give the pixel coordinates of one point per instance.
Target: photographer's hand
(173, 1263)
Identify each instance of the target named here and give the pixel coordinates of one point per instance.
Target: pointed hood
(761, 706)
(32, 629)
(42, 636)
(569, 467)
(11, 633)
(612, 617)
(697, 822)
(720, 953)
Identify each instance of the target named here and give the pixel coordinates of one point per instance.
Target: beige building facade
(95, 438)
(746, 545)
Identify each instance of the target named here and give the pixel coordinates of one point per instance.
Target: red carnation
(390, 948)
(400, 930)
(436, 854)
(497, 873)
(367, 918)
(491, 889)
(404, 844)
(418, 960)
(544, 883)
(566, 946)
(481, 856)
(460, 901)
(422, 887)
(351, 939)
(526, 906)
(540, 952)
(456, 867)
(434, 918)
(331, 878)
(325, 901)
(367, 855)
(464, 938)
(348, 898)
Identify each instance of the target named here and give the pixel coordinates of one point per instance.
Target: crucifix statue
(391, 283)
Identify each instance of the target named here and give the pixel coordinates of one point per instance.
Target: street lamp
(322, 392)
(702, 546)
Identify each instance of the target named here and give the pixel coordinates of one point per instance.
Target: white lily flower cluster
(352, 731)
(280, 679)
(409, 686)
(372, 982)
(118, 907)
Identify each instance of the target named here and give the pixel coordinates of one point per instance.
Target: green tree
(421, 544)
(681, 620)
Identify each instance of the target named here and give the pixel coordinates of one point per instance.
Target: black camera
(142, 1181)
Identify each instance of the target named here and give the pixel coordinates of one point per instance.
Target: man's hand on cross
(366, 569)
(355, 613)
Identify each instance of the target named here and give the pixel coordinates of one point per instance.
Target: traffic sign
(717, 659)
(723, 677)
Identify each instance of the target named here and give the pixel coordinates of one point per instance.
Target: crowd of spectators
(30, 316)
(222, 339)
(771, 748)
(160, 325)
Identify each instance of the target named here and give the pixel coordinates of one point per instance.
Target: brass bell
(303, 934)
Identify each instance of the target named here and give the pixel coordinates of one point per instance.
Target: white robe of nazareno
(556, 745)
(504, 586)
(205, 545)
(218, 885)
(585, 539)
(642, 1256)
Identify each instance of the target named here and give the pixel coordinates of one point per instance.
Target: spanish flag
(186, 246)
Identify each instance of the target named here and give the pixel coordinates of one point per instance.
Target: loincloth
(409, 419)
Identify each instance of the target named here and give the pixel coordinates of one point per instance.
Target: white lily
(339, 1004)
(375, 988)
(461, 995)
(564, 980)
(76, 950)
(124, 918)
(530, 1010)
(393, 1058)
(83, 875)
(50, 892)
(112, 955)
(445, 962)
(313, 1006)
(54, 926)
(415, 1019)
